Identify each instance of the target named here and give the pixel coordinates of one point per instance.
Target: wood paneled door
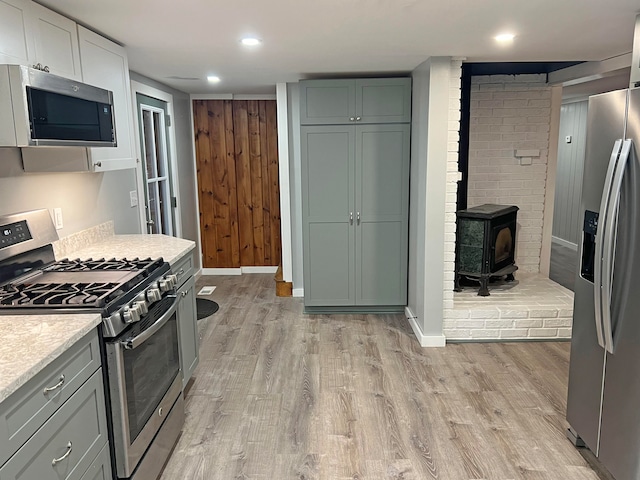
(238, 189)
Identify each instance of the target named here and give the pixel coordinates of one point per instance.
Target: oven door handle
(132, 343)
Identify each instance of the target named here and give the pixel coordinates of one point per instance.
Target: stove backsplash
(86, 199)
(76, 241)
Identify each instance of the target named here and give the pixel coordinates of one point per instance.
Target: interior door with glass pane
(159, 200)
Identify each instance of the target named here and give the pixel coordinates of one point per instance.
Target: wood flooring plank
(283, 395)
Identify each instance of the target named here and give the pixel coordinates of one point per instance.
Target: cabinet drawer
(100, 469)
(73, 436)
(183, 269)
(29, 407)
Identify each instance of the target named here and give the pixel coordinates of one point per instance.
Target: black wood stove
(485, 245)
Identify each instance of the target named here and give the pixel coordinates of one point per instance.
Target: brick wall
(452, 182)
(510, 112)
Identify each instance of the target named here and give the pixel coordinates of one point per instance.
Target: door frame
(230, 96)
(137, 87)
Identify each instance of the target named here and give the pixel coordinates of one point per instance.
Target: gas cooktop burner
(78, 265)
(38, 294)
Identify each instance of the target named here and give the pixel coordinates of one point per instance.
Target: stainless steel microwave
(41, 109)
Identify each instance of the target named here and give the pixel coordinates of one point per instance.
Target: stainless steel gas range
(137, 301)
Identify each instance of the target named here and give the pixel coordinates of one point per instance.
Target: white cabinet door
(105, 65)
(16, 42)
(56, 42)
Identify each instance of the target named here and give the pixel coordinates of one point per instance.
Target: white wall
(510, 112)
(295, 191)
(86, 199)
(434, 155)
(568, 188)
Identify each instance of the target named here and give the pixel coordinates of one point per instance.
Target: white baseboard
(564, 243)
(238, 271)
(298, 292)
(425, 340)
(259, 269)
(221, 271)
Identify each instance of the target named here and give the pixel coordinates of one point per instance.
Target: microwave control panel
(14, 233)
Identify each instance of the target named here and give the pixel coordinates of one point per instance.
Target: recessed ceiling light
(251, 41)
(213, 79)
(505, 37)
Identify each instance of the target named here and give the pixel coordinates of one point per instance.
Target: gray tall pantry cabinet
(355, 144)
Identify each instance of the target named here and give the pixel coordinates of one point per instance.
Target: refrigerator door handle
(610, 244)
(601, 239)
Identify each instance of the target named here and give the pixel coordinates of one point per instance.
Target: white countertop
(31, 342)
(171, 249)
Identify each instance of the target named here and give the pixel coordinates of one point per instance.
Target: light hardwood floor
(283, 395)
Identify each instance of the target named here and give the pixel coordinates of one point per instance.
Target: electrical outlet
(57, 218)
(133, 198)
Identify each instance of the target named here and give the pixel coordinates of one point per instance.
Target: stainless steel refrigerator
(603, 406)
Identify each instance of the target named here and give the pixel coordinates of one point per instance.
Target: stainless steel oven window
(149, 371)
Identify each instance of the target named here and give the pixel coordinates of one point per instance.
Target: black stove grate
(66, 294)
(77, 265)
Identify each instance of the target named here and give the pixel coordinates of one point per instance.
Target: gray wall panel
(573, 123)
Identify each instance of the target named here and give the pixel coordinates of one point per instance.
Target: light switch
(133, 197)
(57, 218)
(567, 139)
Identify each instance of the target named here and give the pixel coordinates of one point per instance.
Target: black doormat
(206, 307)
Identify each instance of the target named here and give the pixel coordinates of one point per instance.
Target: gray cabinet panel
(100, 469)
(27, 409)
(328, 168)
(329, 278)
(382, 205)
(81, 422)
(382, 171)
(356, 101)
(381, 263)
(383, 100)
(183, 268)
(188, 330)
(326, 102)
(328, 172)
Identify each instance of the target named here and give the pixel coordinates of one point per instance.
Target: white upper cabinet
(56, 42)
(32, 34)
(16, 41)
(105, 65)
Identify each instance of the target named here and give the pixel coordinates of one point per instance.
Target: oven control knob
(130, 315)
(173, 279)
(154, 295)
(142, 306)
(165, 285)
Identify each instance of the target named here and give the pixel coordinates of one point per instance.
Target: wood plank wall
(238, 189)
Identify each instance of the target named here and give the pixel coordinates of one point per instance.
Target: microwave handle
(132, 343)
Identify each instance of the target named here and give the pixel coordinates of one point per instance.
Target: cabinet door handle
(181, 272)
(55, 461)
(184, 294)
(350, 218)
(97, 164)
(358, 119)
(55, 387)
(352, 119)
(358, 218)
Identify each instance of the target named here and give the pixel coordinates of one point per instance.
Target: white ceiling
(302, 38)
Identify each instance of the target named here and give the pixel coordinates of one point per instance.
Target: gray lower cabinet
(68, 442)
(26, 410)
(355, 183)
(359, 101)
(100, 469)
(187, 319)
